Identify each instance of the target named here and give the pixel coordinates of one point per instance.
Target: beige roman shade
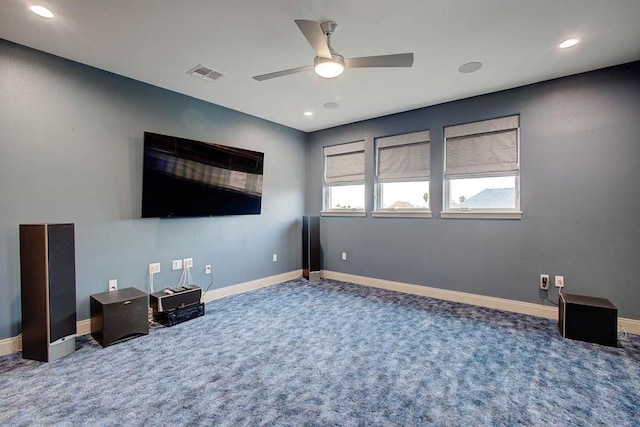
(482, 148)
(403, 157)
(344, 163)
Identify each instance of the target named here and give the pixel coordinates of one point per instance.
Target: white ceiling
(158, 41)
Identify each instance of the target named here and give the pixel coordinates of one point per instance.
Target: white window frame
(352, 148)
(483, 128)
(420, 137)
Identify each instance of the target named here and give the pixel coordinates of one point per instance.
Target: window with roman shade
(344, 177)
(403, 172)
(482, 167)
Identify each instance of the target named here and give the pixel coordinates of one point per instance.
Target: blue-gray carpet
(332, 353)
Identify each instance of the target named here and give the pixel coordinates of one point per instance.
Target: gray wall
(580, 154)
(71, 151)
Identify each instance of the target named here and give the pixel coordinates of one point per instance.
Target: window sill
(346, 212)
(401, 214)
(482, 214)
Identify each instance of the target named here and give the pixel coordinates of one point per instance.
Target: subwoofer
(589, 319)
(311, 247)
(119, 315)
(48, 290)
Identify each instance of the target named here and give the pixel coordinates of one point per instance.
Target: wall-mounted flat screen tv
(186, 178)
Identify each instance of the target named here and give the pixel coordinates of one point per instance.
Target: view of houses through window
(486, 193)
(404, 195)
(345, 197)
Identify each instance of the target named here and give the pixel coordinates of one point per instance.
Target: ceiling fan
(328, 63)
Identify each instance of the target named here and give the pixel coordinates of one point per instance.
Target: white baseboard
(83, 327)
(631, 326)
(250, 286)
(14, 344)
(10, 345)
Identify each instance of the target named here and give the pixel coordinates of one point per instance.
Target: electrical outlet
(207, 269)
(344, 256)
(559, 281)
(176, 264)
(275, 257)
(187, 263)
(544, 282)
(154, 268)
(113, 284)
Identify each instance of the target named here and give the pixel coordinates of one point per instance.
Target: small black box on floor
(588, 319)
(119, 315)
(179, 315)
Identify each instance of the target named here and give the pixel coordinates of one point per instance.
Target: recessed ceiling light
(470, 67)
(308, 113)
(330, 105)
(42, 11)
(568, 43)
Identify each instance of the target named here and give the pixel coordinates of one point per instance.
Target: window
(402, 175)
(344, 179)
(482, 173)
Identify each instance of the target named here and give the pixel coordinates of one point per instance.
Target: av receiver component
(173, 298)
(179, 315)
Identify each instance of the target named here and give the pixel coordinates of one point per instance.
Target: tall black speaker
(311, 247)
(48, 287)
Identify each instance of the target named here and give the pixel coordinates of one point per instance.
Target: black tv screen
(186, 178)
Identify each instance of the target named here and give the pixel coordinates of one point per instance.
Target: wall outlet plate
(113, 284)
(344, 256)
(275, 257)
(187, 263)
(559, 281)
(176, 264)
(544, 282)
(207, 269)
(154, 268)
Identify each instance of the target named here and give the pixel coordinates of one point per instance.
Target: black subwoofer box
(588, 319)
(119, 315)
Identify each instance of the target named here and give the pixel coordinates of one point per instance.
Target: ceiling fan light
(329, 68)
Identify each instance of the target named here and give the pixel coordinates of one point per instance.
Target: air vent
(205, 73)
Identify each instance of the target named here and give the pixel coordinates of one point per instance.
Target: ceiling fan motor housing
(328, 27)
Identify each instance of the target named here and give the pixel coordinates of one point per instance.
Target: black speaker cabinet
(588, 319)
(119, 315)
(311, 247)
(48, 289)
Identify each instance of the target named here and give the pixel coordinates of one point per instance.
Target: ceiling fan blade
(282, 73)
(312, 31)
(395, 60)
